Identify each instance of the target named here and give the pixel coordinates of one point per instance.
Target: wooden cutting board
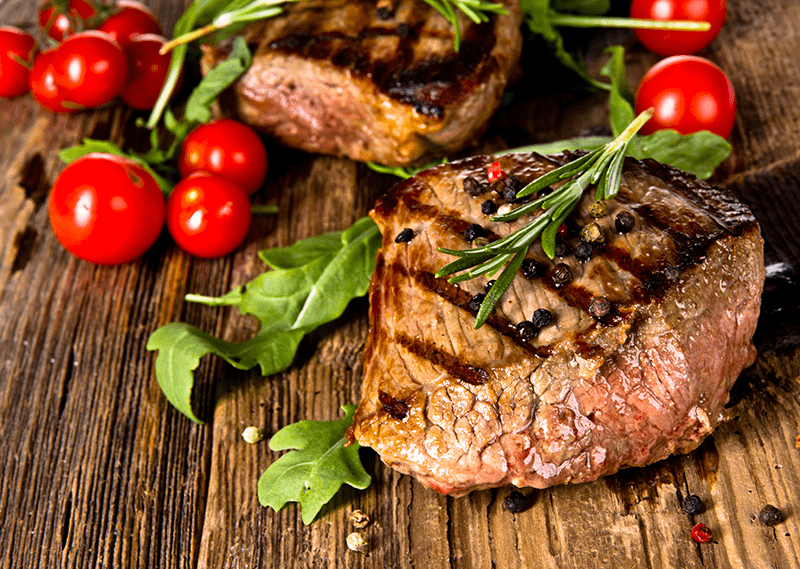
(98, 470)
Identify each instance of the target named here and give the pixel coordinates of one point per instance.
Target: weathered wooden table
(98, 470)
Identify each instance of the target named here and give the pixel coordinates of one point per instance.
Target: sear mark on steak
(335, 77)
(645, 341)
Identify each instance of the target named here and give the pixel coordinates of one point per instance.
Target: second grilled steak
(647, 331)
(385, 85)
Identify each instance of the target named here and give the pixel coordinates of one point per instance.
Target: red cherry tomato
(58, 24)
(43, 84)
(208, 216)
(665, 42)
(129, 20)
(147, 71)
(91, 69)
(227, 148)
(17, 49)
(106, 209)
(689, 94)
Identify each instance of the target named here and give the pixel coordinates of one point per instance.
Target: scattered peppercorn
(599, 307)
(624, 222)
(598, 210)
(693, 505)
(591, 233)
(488, 207)
(359, 519)
(562, 275)
(546, 191)
(488, 286)
(385, 9)
(562, 230)
(357, 542)
(583, 252)
(403, 30)
(562, 248)
(405, 236)
(473, 232)
(515, 502)
(526, 330)
(495, 173)
(701, 533)
(253, 435)
(770, 515)
(531, 269)
(510, 194)
(476, 301)
(513, 182)
(542, 317)
(473, 187)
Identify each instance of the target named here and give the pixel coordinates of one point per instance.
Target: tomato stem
(577, 21)
(263, 209)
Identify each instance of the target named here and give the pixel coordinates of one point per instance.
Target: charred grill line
(451, 364)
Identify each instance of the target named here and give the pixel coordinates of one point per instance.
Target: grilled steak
(647, 331)
(342, 77)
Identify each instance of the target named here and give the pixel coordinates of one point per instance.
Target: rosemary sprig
(475, 10)
(601, 167)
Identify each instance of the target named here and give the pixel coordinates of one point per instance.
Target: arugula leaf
(620, 98)
(311, 284)
(218, 79)
(319, 463)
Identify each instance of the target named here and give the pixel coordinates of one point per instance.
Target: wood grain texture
(97, 470)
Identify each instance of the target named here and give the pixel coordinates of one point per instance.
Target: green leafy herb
(311, 283)
(401, 172)
(601, 167)
(313, 472)
(544, 20)
(476, 10)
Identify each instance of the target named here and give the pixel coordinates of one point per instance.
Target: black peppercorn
(599, 307)
(405, 236)
(770, 515)
(531, 269)
(562, 275)
(473, 232)
(476, 301)
(583, 252)
(562, 248)
(515, 502)
(473, 187)
(692, 505)
(526, 330)
(513, 186)
(546, 191)
(403, 30)
(488, 207)
(624, 222)
(542, 317)
(383, 13)
(488, 286)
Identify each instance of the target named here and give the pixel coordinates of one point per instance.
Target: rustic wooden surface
(97, 470)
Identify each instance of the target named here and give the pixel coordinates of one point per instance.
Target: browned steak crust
(463, 409)
(341, 77)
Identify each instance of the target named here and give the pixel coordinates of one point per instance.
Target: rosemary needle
(601, 167)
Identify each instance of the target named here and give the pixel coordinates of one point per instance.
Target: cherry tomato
(17, 49)
(689, 94)
(43, 84)
(129, 20)
(665, 42)
(227, 148)
(207, 215)
(91, 69)
(59, 19)
(106, 209)
(147, 71)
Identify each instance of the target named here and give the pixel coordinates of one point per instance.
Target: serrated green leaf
(322, 275)
(318, 464)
